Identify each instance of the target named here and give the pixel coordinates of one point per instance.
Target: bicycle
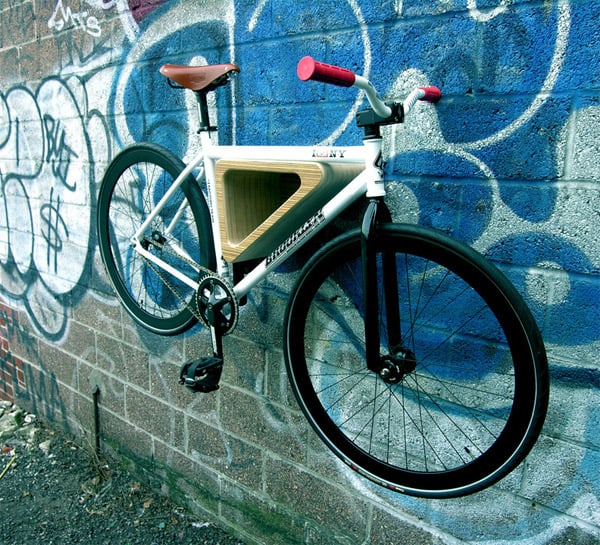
(413, 357)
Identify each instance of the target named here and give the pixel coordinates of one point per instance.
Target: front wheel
(470, 391)
(180, 235)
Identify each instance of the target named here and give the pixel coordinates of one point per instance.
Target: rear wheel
(470, 387)
(181, 235)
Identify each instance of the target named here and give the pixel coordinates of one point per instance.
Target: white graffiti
(48, 181)
(478, 14)
(562, 38)
(130, 26)
(64, 17)
(46, 171)
(489, 13)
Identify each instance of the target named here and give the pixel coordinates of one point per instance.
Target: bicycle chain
(205, 274)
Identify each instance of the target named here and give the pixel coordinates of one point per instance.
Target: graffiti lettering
(524, 107)
(59, 152)
(82, 20)
(46, 176)
(52, 226)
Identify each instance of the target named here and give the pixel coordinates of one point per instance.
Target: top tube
(341, 154)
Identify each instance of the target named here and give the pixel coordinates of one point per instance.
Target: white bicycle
(412, 356)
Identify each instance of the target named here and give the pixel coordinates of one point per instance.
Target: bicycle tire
(132, 185)
(474, 404)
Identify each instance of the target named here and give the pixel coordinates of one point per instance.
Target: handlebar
(310, 69)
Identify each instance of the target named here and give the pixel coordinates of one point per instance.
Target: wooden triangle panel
(262, 202)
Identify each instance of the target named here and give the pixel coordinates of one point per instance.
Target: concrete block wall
(508, 162)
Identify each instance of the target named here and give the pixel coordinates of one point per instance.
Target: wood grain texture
(262, 202)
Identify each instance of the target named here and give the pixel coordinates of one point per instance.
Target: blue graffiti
(492, 170)
(491, 71)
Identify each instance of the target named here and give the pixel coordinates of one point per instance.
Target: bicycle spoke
(135, 183)
(442, 415)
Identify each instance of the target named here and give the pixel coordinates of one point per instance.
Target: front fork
(398, 361)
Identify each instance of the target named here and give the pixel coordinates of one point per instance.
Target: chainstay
(203, 272)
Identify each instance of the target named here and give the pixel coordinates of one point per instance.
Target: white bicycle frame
(369, 182)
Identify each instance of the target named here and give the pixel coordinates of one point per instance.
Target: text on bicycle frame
(331, 153)
(299, 235)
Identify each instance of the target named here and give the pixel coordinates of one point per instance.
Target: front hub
(394, 367)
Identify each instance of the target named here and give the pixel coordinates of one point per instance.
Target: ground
(54, 491)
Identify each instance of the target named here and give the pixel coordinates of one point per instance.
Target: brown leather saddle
(199, 78)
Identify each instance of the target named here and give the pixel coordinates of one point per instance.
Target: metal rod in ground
(96, 394)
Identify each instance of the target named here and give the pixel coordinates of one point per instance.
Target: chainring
(217, 304)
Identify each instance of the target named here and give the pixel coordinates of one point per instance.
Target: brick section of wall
(12, 377)
(506, 162)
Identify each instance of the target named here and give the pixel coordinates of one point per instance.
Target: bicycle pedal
(202, 375)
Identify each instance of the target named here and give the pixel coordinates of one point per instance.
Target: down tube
(355, 189)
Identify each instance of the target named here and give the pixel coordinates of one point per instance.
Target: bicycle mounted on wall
(413, 357)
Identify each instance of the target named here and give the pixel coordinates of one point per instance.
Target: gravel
(54, 491)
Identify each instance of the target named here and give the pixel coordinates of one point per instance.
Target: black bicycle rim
(520, 423)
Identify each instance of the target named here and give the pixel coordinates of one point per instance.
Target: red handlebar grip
(310, 69)
(432, 94)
